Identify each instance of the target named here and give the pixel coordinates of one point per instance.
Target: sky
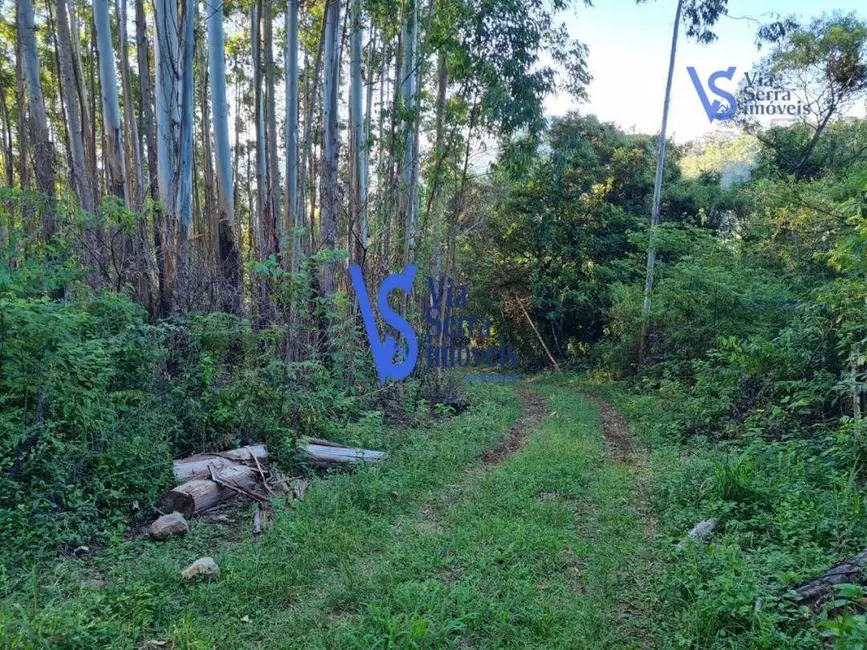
(629, 51)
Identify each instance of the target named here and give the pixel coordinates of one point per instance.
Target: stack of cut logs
(207, 480)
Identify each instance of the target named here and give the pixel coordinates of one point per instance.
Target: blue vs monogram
(712, 109)
(384, 352)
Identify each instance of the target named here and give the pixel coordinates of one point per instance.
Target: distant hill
(732, 156)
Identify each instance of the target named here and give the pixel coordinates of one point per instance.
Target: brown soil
(533, 409)
(615, 430)
(620, 447)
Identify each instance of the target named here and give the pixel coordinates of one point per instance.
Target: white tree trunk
(292, 208)
(329, 204)
(185, 180)
(168, 106)
(43, 148)
(657, 192)
(114, 158)
(408, 92)
(80, 182)
(358, 189)
(226, 248)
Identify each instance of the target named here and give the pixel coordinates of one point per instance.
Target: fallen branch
(261, 473)
(844, 572)
(237, 488)
(539, 336)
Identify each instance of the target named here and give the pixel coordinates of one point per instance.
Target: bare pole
(657, 192)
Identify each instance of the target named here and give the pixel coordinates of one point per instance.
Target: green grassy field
(435, 548)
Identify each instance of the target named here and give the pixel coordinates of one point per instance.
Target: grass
(431, 549)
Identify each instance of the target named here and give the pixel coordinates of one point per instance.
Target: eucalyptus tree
(113, 150)
(185, 168)
(263, 232)
(146, 112)
(275, 222)
(699, 16)
(657, 189)
(408, 105)
(43, 148)
(135, 167)
(329, 205)
(294, 216)
(358, 171)
(78, 170)
(227, 251)
(168, 118)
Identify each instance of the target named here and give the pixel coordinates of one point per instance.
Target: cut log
(187, 469)
(844, 572)
(199, 495)
(324, 457)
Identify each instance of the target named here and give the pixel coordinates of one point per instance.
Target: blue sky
(629, 49)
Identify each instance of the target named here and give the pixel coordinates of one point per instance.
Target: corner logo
(384, 352)
(713, 109)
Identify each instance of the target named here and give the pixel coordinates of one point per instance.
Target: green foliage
(95, 403)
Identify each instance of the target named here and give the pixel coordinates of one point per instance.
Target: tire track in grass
(533, 409)
(536, 546)
(621, 448)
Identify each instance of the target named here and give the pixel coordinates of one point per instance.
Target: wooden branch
(261, 473)
(844, 572)
(539, 336)
(237, 488)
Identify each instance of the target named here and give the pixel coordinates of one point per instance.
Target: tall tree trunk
(329, 204)
(228, 257)
(167, 106)
(88, 129)
(303, 167)
(261, 153)
(380, 154)
(408, 92)
(143, 280)
(147, 119)
(185, 168)
(294, 224)
(439, 157)
(113, 146)
(358, 170)
(209, 217)
(78, 171)
(8, 156)
(657, 193)
(393, 204)
(21, 102)
(263, 221)
(62, 114)
(135, 180)
(43, 149)
(275, 222)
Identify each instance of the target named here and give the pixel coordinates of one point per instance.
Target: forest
(620, 400)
